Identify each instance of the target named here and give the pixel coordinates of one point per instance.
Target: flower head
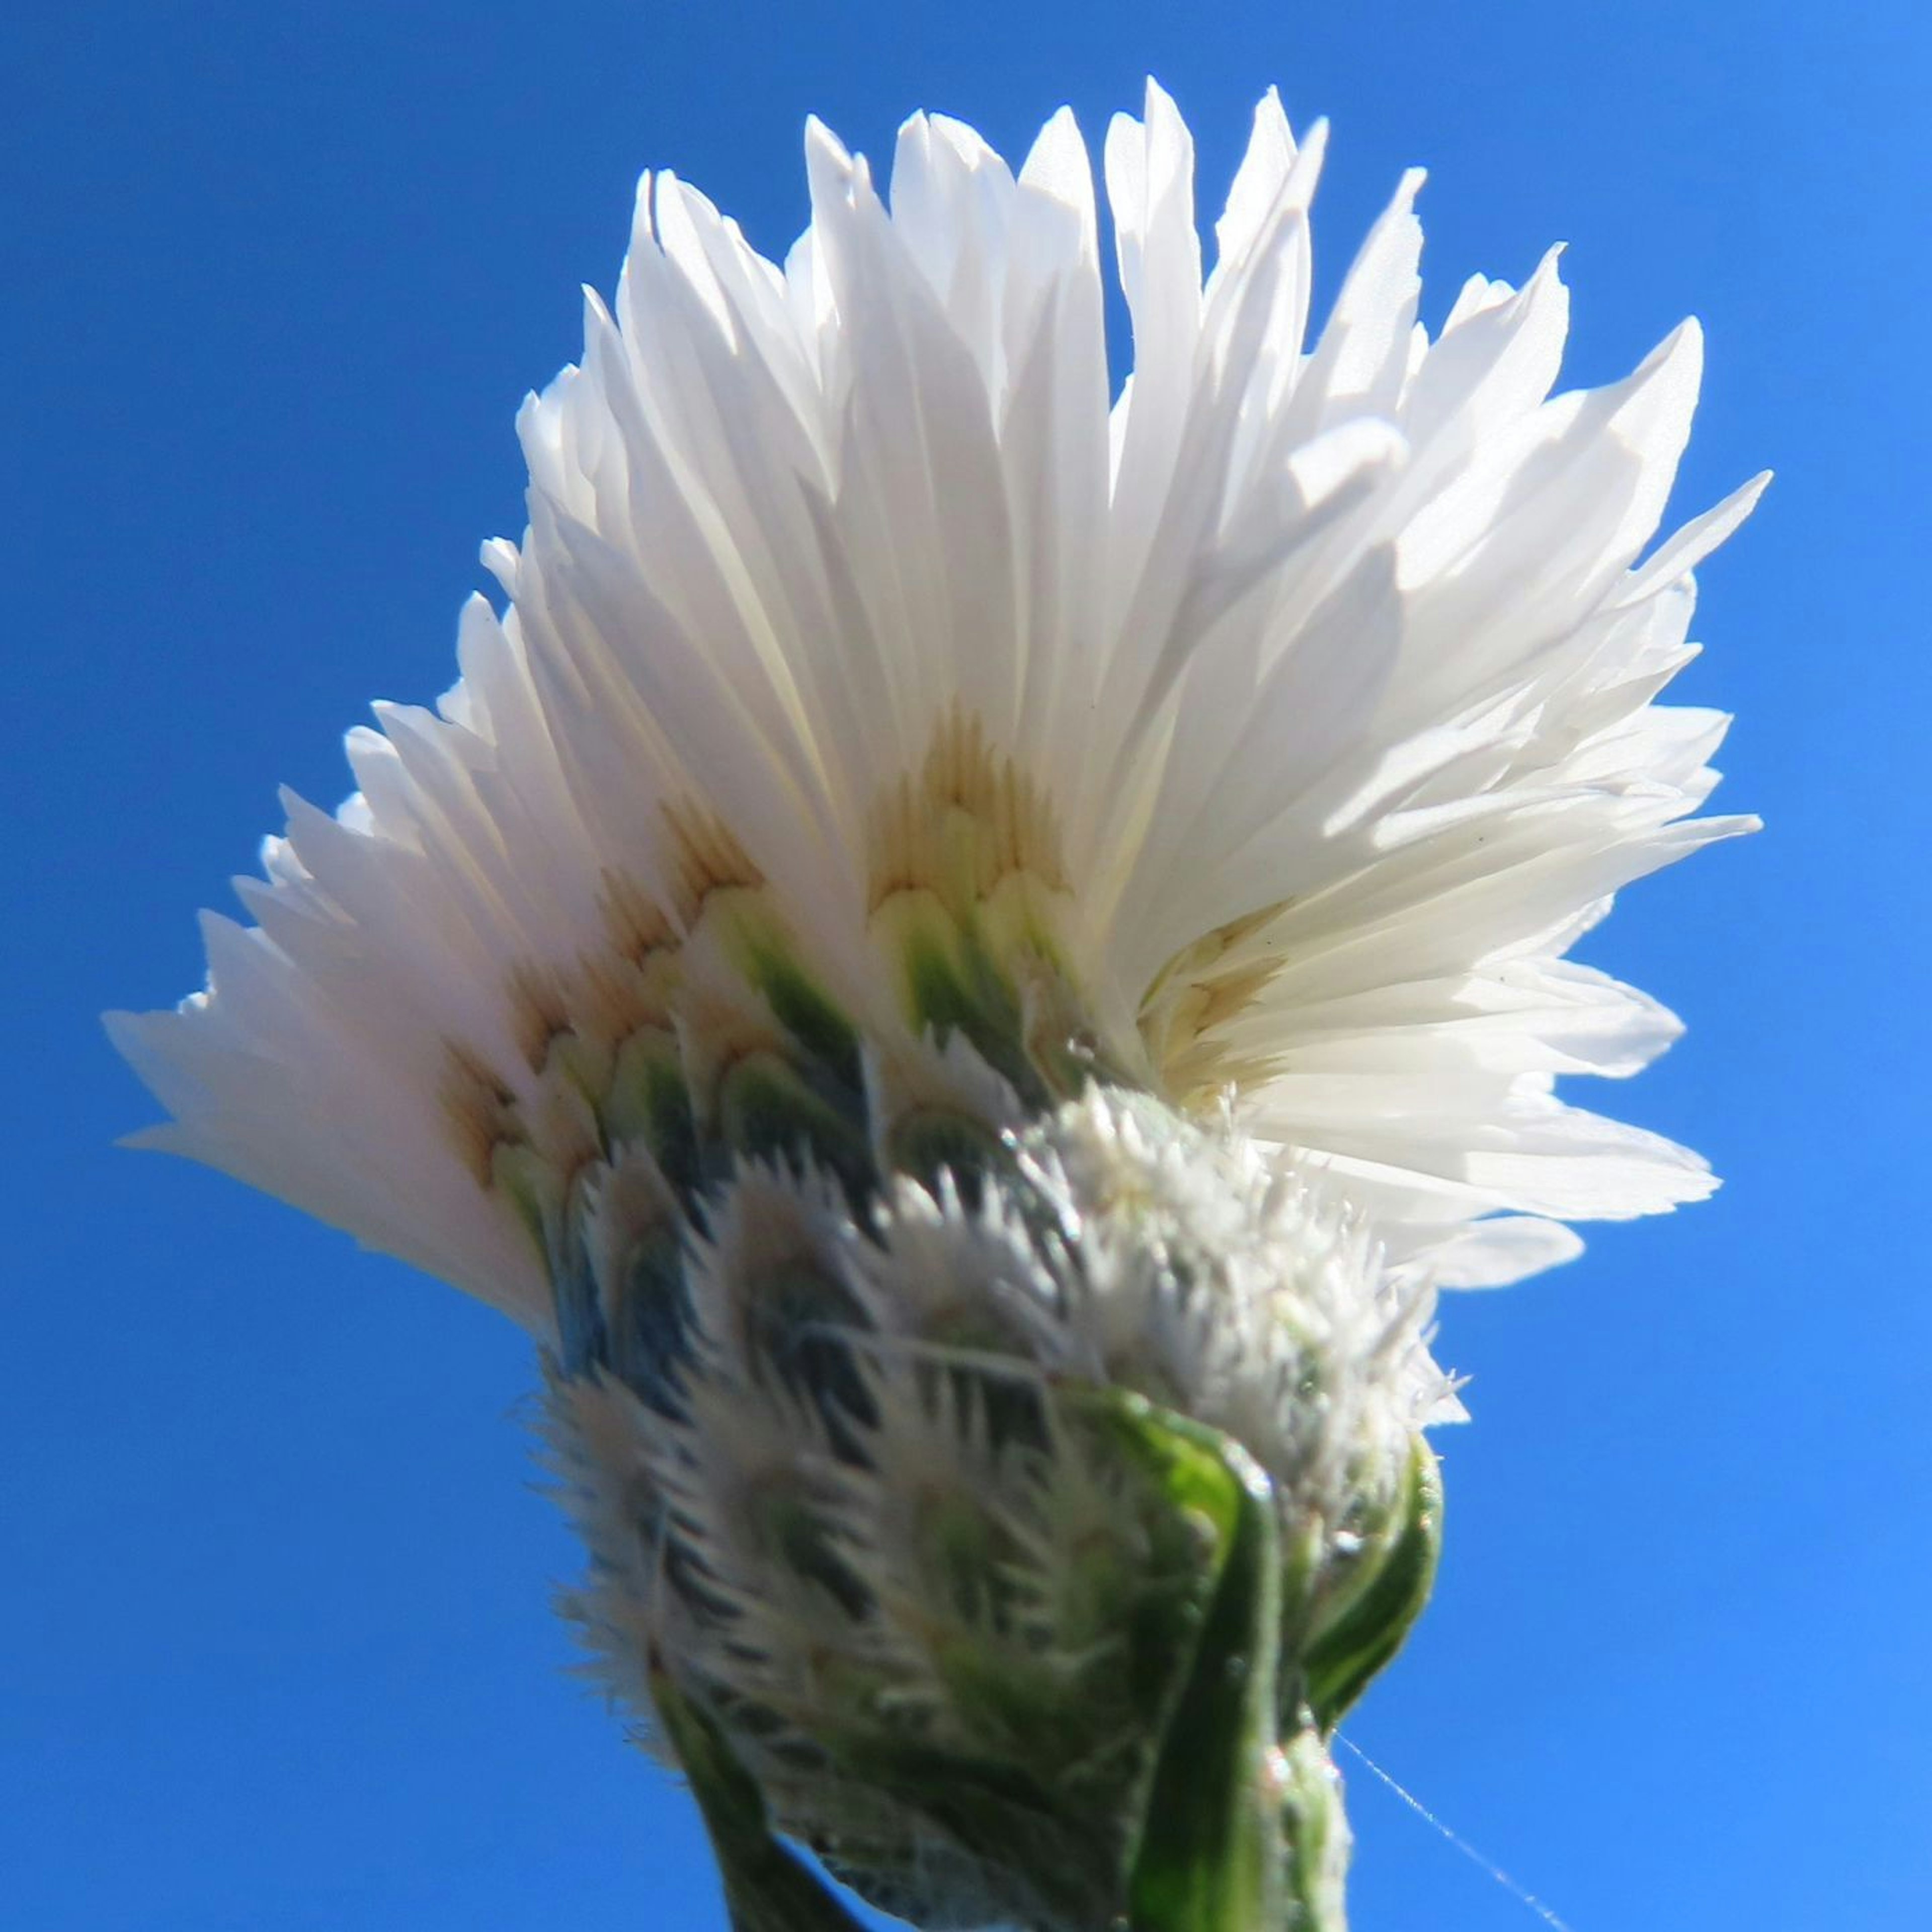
(966, 952)
(925, 1516)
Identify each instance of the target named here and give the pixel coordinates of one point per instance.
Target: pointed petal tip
(1059, 168)
(1686, 340)
(213, 926)
(824, 152)
(132, 1034)
(1731, 825)
(1270, 116)
(1060, 130)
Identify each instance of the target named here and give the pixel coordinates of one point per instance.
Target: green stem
(766, 1888)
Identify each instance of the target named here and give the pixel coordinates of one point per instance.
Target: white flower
(1300, 703)
(967, 956)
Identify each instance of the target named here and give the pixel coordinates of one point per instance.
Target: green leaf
(1210, 1855)
(1341, 1662)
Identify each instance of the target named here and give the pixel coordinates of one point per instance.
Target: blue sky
(274, 1649)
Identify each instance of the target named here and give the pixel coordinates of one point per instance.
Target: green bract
(1003, 1495)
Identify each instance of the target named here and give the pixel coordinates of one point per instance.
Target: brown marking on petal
(480, 1110)
(614, 999)
(564, 1131)
(894, 843)
(716, 1030)
(638, 927)
(539, 1011)
(705, 858)
(1203, 987)
(968, 819)
(632, 983)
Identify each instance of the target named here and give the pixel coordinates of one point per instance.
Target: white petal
(1338, 671)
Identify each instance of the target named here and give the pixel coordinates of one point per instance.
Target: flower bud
(1015, 1538)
